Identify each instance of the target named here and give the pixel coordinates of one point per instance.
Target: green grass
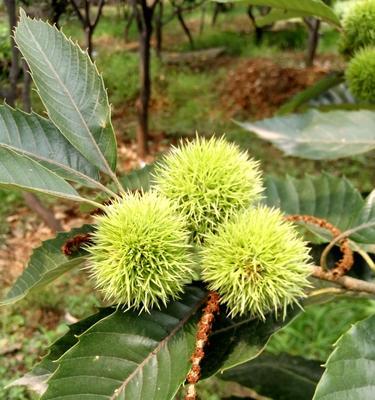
(314, 332)
(191, 103)
(120, 73)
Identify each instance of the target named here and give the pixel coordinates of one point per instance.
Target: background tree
(144, 13)
(88, 22)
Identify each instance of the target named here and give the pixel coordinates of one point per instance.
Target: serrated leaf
(71, 90)
(326, 197)
(315, 8)
(319, 135)
(350, 369)
(366, 216)
(130, 355)
(38, 138)
(236, 341)
(21, 172)
(138, 179)
(45, 265)
(37, 379)
(282, 377)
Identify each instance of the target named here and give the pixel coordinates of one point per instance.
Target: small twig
(99, 12)
(352, 284)
(204, 331)
(345, 263)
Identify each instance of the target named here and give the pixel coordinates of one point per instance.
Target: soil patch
(258, 87)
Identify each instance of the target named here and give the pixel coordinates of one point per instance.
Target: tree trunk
(46, 214)
(14, 72)
(313, 41)
(258, 31)
(88, 39)
(85, 19)
(145, 81)
(58, 8)
(159, 30)
(129, 21)
(202, 19)
(217, 8)
(185, 28)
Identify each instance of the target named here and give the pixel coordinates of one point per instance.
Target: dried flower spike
(209, 180)
(140, 256)
(257, 263)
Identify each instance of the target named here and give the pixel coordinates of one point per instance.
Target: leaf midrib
(156, 350)
(70, 97)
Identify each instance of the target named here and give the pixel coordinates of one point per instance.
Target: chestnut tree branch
(352, 284)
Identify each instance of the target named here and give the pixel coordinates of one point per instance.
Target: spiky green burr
(360, 75)
(209, 180)
(359, 27)
(140, 256)
(257, 263)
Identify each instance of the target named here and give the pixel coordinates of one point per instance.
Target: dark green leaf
(367, 215)
(326, 197)
(234, 342)
(350, 369)
(139, 179)
(71, 89)
(281, 377)
(38, 138)
(21, 172)
(319, 135)
(130, 355)
(46, 264)
(37, 379)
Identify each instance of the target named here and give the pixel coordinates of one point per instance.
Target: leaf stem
(352, 284)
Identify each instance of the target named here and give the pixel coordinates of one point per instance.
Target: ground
(190, 93)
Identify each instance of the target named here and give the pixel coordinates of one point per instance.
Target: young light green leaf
(350, 369)
(314, 8)
(276, 15)
(21, 172)
(36, 137)
(319, 135)
(71, 89)
(130, 355)
(45, 265)
(280, 376)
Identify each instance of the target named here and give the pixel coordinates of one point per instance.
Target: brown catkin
(204, 331)
(73, 245)
(345, 263)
